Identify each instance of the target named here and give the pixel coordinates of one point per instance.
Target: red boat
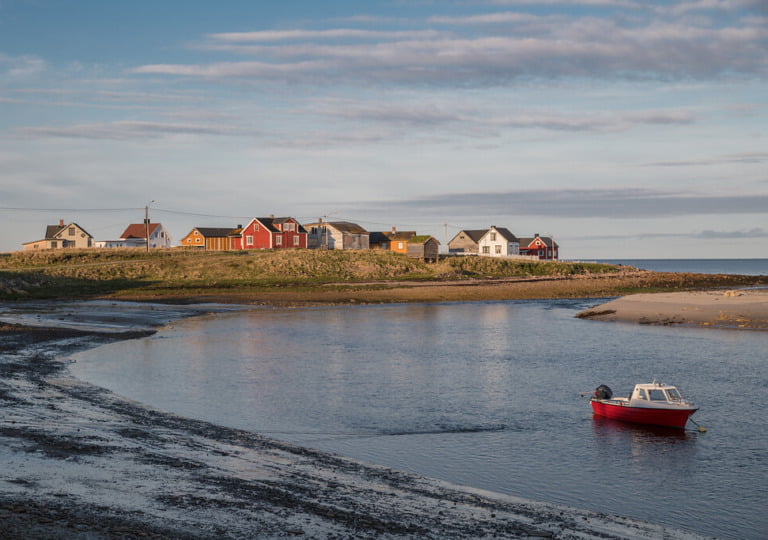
(652, 403)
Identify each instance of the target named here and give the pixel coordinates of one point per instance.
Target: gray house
(466, 241)
(424, 247)
(337, 235)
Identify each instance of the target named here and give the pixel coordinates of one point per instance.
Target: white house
(135, 235)
(498, 242)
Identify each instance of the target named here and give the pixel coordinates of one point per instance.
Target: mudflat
(739, 309)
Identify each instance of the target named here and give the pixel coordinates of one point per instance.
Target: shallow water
(483, 394)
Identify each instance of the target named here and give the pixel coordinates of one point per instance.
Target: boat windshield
(657, 395)
(674, 395)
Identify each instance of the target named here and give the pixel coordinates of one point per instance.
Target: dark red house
(270, 233)
(543, 247)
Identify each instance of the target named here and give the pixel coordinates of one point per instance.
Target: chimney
(394, 230)
(271, 216)
(61, 223)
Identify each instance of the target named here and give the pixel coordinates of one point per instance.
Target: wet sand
(735, 309)
(81, 462)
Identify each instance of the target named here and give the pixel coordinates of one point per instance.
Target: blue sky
(624, 128)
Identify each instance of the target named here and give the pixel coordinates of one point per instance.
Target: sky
(622, 128)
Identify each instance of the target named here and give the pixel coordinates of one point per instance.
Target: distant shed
(424, 247)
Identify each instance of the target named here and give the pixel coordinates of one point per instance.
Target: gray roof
(506, 234)
(215, 232)
(347, 227)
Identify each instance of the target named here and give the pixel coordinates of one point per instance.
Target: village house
(61, 236)
(209, 238)
(147, 234)
(393, 240)
(269, 233)
(543, 247)
(498, 242)
(424, 247)
(337, 235)
(466, 242)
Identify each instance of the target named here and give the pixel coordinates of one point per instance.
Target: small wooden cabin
(424, 247)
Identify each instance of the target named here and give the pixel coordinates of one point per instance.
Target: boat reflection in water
(646, 449)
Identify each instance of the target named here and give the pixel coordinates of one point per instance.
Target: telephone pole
(146, 222)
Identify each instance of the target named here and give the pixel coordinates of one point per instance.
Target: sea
(481, 394)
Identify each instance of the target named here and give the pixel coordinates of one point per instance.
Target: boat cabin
(656, 392)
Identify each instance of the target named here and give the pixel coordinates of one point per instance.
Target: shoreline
(83, 462)
(732, 309)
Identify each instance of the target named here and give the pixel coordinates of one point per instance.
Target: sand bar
(740, 309)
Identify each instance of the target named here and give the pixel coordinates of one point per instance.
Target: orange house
(209, 238)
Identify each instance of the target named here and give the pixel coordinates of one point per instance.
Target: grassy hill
(110, 271)
(299, 275)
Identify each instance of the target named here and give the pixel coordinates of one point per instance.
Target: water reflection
(646, 449)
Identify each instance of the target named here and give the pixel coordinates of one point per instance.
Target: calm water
(482, 394)
(744, 267)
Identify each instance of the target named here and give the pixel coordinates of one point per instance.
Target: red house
(270, 233)
(543, 247)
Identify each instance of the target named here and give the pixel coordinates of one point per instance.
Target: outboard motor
(603, 392)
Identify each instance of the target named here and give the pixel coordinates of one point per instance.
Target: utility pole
(146, 222)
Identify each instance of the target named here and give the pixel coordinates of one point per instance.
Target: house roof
(347, 227)
(214, 232)
(270, 222)
(505, 233)
(474, 234)
(526, 242)
(51, 231)
(401, 235)
(422, 239)
(138, 230)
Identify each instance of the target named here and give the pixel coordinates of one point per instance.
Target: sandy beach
(734, 309)
(81, 462)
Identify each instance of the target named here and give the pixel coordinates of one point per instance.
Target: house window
(487, 250)
(295, 241)
(279, 240)
(498, 250)
(288, 227)
(71, 231)
(399, 245)
(255, 227)
(198, 240)
(54, 244)
(493, 237)
(249, 240)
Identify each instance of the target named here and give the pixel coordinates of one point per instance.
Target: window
(657, 395)
(487, 250)
(255, 227)
(296, 241)
(249, 240)
(289, 227)
(493, 237)
(279, 240)
(674, 395)
(54, 244)
(198, 240)
(641, 394)
(71, 231)
(399, 245)
(498, 250)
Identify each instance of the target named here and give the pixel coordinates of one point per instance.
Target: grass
(126, 273)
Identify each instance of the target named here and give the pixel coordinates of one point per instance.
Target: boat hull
(640, 415)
